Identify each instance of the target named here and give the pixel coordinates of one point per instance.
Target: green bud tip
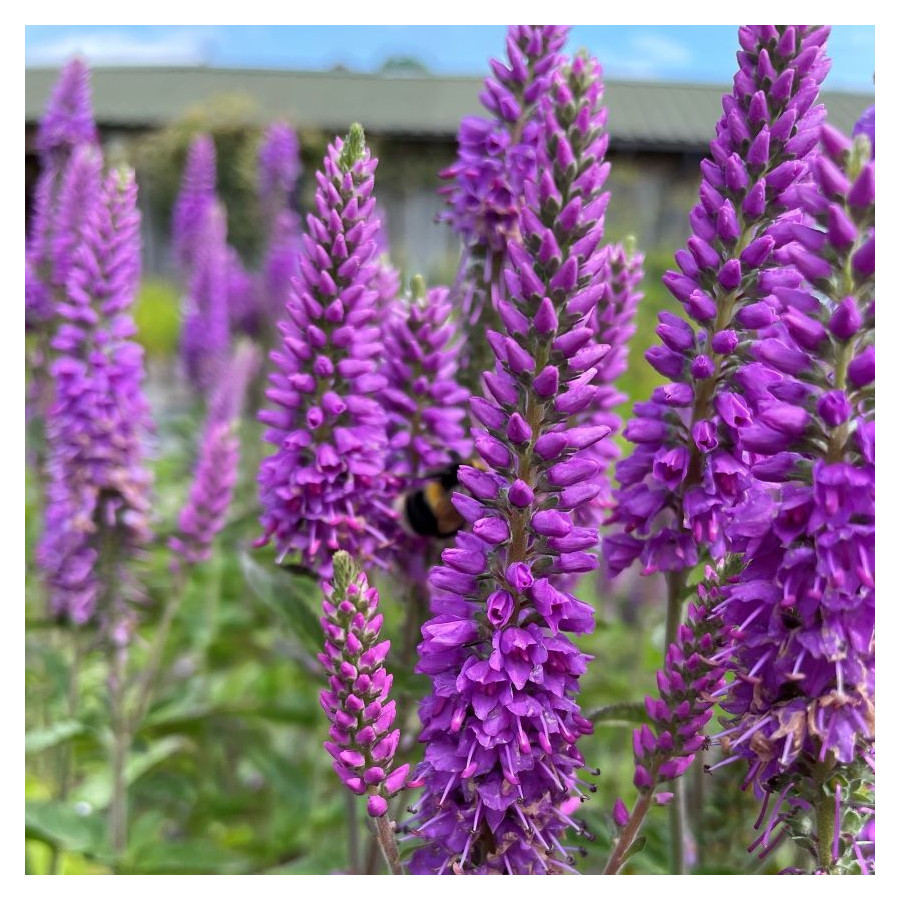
(354, 147)
(417, 287)
(345, 571)
(630, 245)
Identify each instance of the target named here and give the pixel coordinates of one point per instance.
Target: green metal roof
(652, 115)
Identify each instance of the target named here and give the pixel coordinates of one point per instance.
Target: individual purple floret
(98, 484)
(203, 516)
(502, 723)
(206, 332)
(195, 198)
(803, 698)
(323, 487)
(279, 168)
(361, 741)
(683, 471)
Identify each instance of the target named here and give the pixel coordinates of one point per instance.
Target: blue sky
(672, 53)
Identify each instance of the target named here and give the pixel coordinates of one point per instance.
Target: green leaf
(620, 714)
(292, 597)
(635, 848)
(59, 824)
(190, 857)
(43, 738)
(97, 789)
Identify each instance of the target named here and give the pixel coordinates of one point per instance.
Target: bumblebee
(428, 510)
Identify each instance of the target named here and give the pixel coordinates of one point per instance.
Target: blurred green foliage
(158, 317)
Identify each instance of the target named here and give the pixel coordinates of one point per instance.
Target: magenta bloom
(497, 155)
(356, 701)
(425, 403)
(669, 506)
(804, 606)
(279, 168)
(67, 124)
(206, 332)
(195, 198)
(98, 484)
(69, 119)
(502, 723)
(203, 516)
(323, 487)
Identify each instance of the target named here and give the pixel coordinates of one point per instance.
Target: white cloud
(182, 47)
(644, 55)
(664, 50)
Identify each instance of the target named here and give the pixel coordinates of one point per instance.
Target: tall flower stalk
(802, 702)
(323, 487)
(279, 171)
(683, 472)
(496, 155)
(502, 723)
(98, 485)
(362, 742)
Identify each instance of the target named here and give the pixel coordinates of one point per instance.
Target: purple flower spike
(69, 119)
(803, 609)
(323, 488)
(66, 125)
(203, 517)
(206, 331)
(748, 198)
(501, 725)
(426, 406)
(196, 197)
(496, 155)
(279, 167)
(98, 485)
(356, 701)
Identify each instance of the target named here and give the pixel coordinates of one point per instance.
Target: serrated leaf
(44, 738)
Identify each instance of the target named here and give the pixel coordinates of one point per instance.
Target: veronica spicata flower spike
(279, 168)
(68, 120)
(501, 725)
(203, 516)
(323, 487)
(496, 155)
(803, 697)
(279, 171)
(683, 470)
(98, 484)
(424, 401)
(206, 332)
(67, 123)
(195, 198)
(356, 701)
